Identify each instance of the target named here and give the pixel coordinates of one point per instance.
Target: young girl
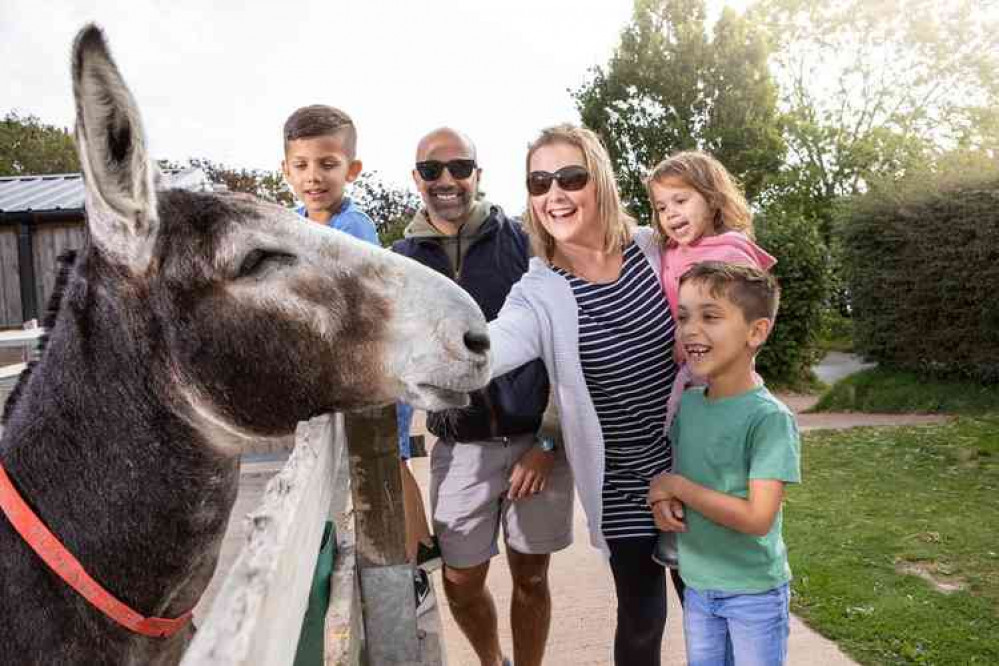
(701, 216)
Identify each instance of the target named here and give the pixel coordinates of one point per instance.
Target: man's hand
(530, 473)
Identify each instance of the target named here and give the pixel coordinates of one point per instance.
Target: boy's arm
(753, 515)
(774, 461)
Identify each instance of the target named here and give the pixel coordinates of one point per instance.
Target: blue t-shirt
(350, 220)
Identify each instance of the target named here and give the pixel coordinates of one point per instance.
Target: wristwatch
(547, 444)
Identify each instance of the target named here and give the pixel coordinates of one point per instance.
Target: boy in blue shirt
(320, 159)
(320, 144)
(736, 447)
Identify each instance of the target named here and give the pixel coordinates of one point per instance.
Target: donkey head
(250, 318)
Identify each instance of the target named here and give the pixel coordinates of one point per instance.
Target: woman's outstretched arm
(515, 334)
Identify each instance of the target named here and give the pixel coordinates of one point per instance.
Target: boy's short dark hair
(754, 291)
(321, 120)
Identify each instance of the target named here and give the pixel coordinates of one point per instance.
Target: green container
(311, 640)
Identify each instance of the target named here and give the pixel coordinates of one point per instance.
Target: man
(488, 467)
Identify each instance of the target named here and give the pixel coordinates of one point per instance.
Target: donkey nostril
(477, 343)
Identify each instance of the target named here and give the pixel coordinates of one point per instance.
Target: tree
(389, 206)
(668, 88)
(873, 90)
(267, 185)
(27, 146)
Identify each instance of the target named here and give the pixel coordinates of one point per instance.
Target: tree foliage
(670, 87)
(803, 272)
(266, 185)
(874, 89)
(28, 146)
(389, 206)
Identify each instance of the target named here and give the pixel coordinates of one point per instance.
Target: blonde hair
(712, 181)
(616, 222)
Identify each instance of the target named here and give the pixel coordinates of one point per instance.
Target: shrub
(802, 270)
(922, 265)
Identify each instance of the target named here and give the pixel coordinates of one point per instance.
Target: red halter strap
(62, 562)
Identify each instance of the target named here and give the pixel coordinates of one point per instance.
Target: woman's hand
(530, 473)
(668, 515)
(667, 510)
(663, 487)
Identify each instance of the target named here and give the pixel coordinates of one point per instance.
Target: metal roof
(22, 194)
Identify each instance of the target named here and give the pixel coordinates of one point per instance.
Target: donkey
(189, 324)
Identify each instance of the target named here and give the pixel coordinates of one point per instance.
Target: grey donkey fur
(189, 324)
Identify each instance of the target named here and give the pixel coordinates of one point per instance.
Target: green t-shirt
(722, 444)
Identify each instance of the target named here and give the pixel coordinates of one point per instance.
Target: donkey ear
(120, 192)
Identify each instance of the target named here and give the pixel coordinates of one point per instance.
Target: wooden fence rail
(347, 473)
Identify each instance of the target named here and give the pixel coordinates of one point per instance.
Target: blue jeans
(731, 629)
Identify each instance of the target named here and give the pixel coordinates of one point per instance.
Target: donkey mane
(65, 262)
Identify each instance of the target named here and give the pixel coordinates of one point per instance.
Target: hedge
(922, 265)
(803, 272)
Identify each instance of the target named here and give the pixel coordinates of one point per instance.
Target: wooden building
(40, 218)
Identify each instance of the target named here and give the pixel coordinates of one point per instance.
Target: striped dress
(626, 352)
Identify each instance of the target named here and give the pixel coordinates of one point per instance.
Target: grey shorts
(468, 485)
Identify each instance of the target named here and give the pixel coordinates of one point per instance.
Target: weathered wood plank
(10, 279)
(344, 618)
(372, 439)
(385, 575)
(50, 241)
(257, 616)
(27, 338)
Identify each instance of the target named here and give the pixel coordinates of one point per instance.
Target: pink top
(731, 247)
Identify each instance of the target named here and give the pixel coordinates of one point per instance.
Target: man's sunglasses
(432, 169)
(570, 179)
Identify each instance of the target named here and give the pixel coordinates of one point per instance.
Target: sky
(217, 79)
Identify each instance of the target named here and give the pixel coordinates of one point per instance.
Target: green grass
(875, 500)
(893, 391)
(810, 384)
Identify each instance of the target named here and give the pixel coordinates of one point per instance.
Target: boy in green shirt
(736, 447)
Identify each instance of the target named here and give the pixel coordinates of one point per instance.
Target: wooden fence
(347, 473)
(344, 471)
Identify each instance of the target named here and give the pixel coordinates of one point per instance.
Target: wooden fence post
(385, 575)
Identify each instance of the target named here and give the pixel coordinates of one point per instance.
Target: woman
(590, 306)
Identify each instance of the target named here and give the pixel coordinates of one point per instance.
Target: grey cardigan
(540, 320)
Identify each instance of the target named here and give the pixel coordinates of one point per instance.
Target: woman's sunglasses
(570, 179)
(430, 170)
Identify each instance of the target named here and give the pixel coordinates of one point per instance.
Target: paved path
(837, 365)
(843, 420)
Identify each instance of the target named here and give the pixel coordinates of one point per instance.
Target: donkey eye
(258, 260)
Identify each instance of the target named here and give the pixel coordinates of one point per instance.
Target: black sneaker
(424, 592)
(428, 558)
